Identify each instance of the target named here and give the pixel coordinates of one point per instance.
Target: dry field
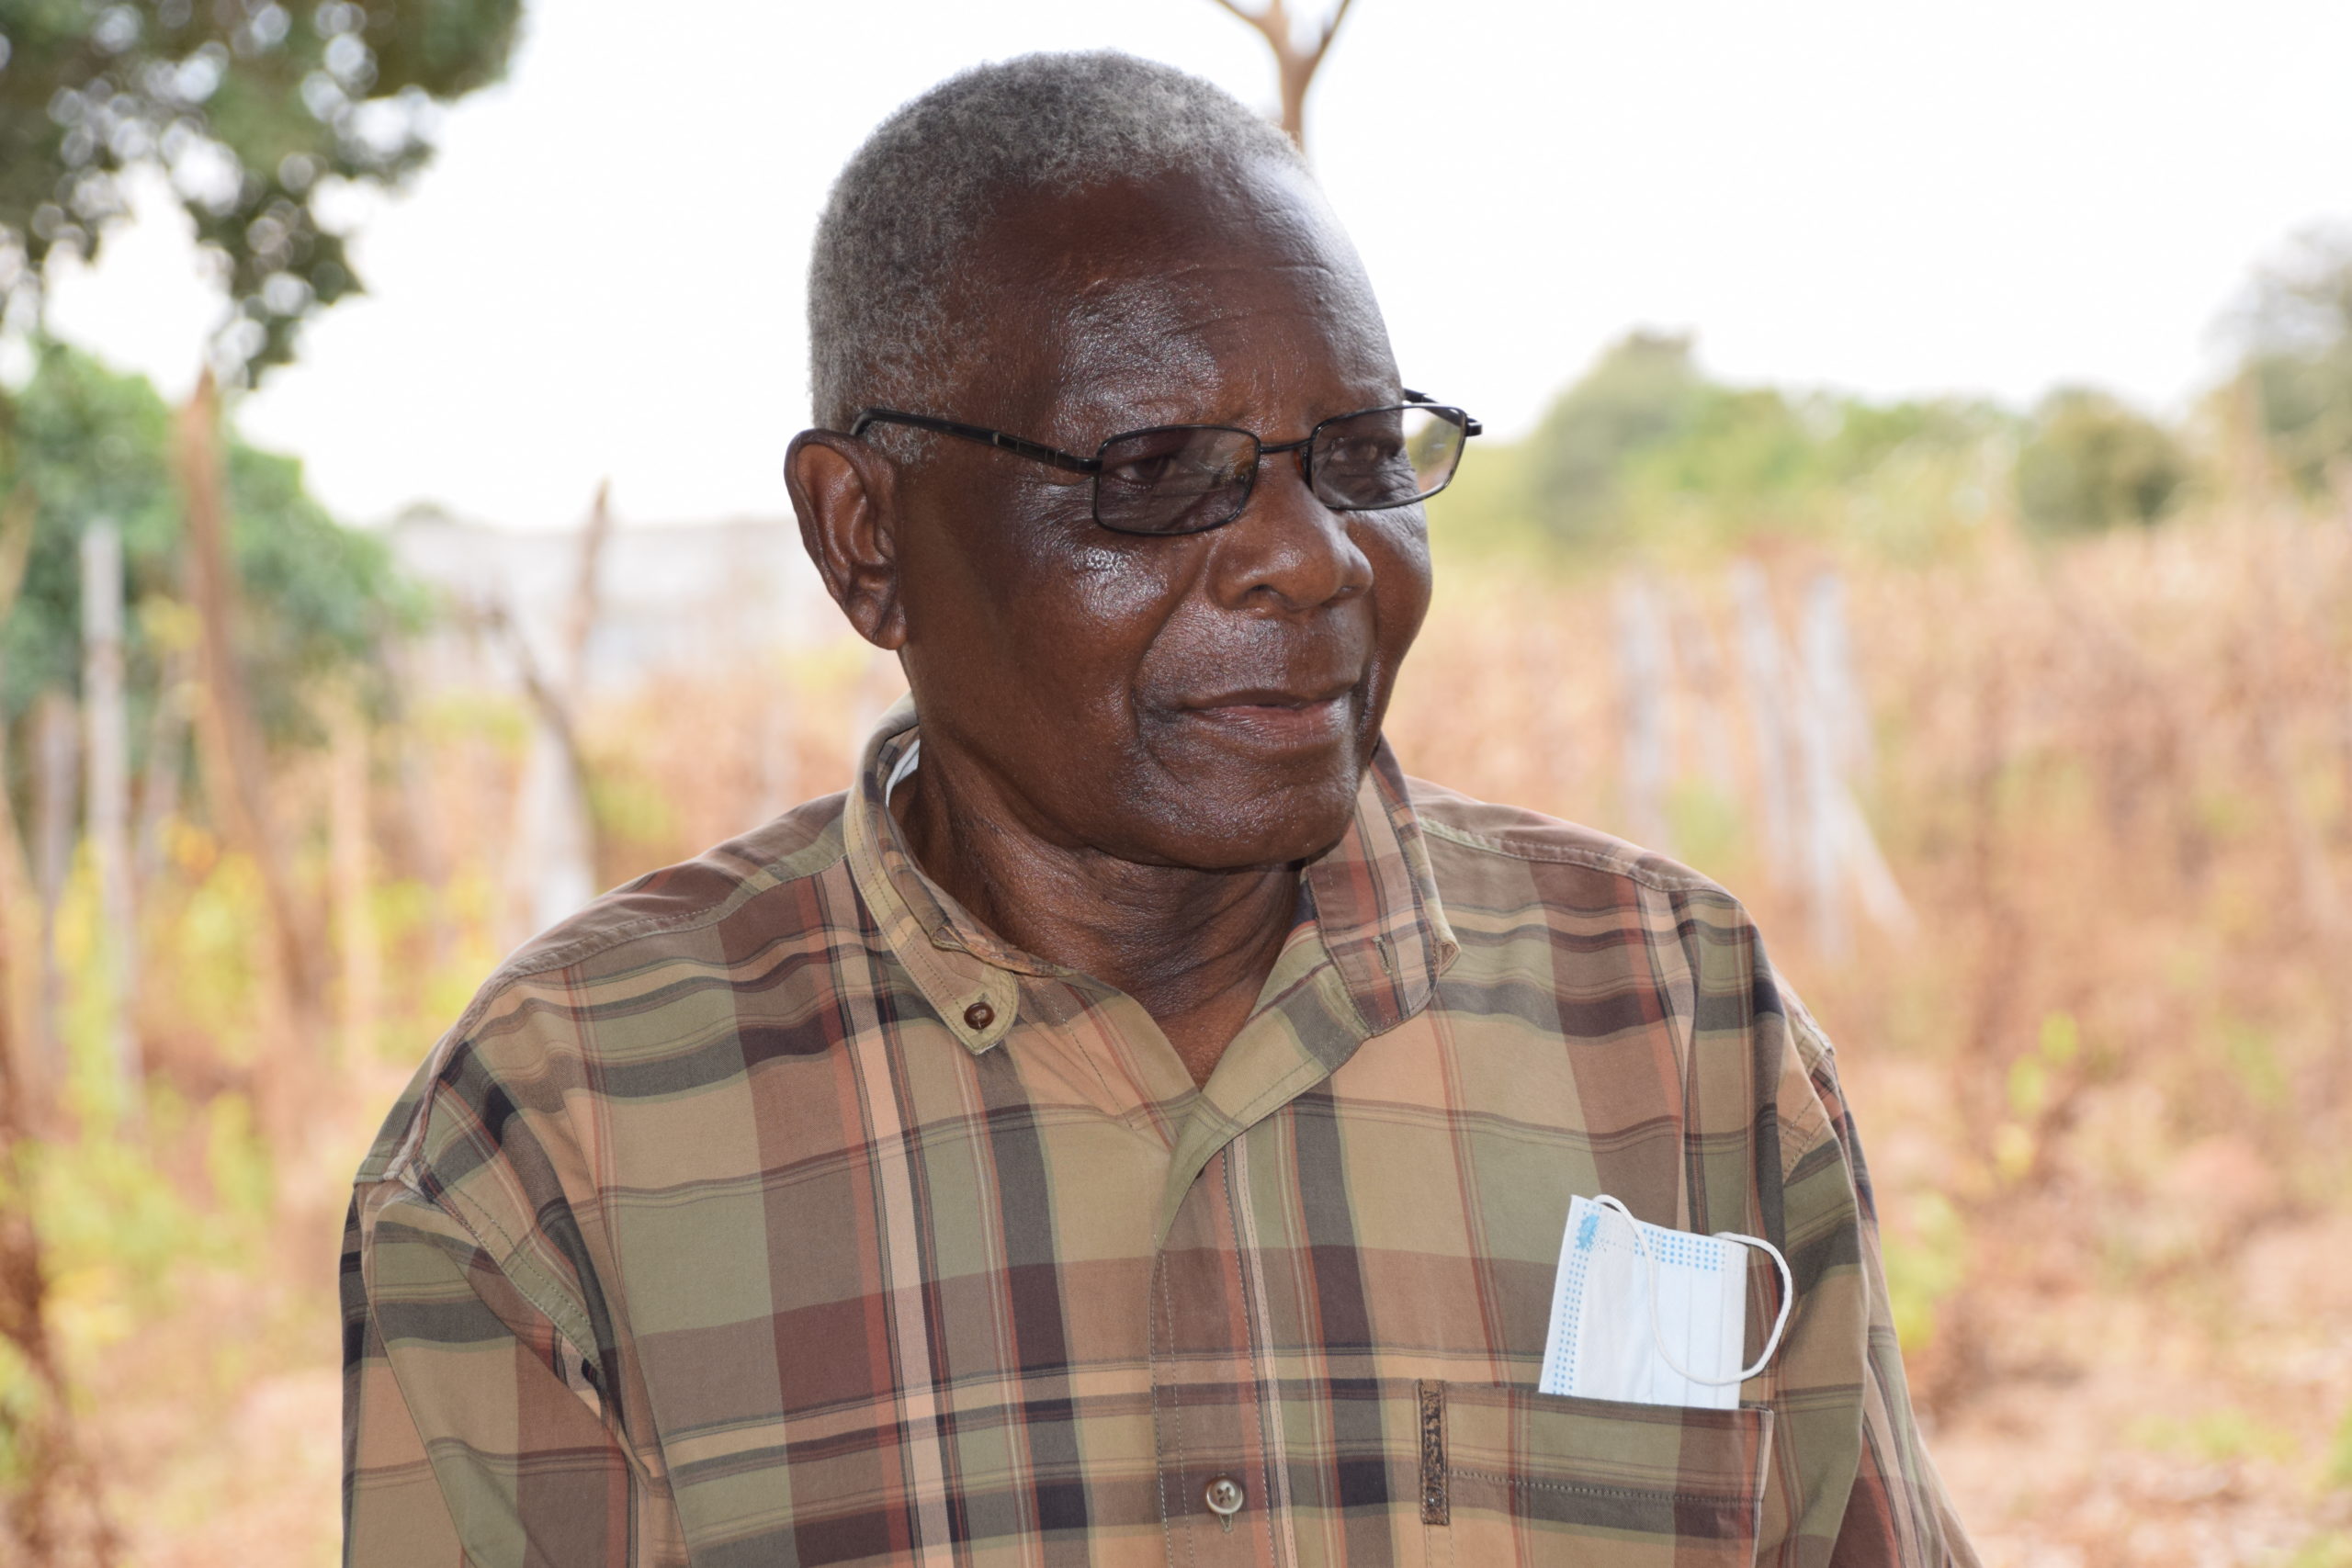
(2101, 1048)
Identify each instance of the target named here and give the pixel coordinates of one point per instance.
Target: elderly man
(1135, 1124)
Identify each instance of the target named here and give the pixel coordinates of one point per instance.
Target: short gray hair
(917, 194)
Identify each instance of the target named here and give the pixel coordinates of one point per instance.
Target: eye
(1147, 470)
(1187, 460)
(1362, 452)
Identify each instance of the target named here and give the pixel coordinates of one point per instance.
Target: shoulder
(593, 986)
(1599, 916)
(1608, 919)
(1475, 845)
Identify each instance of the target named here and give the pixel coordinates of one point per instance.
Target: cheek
(1067, 614)
(1115, 598)
(1397, 545)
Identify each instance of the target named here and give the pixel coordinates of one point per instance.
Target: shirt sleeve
(474, 1432)
(1898, 1512)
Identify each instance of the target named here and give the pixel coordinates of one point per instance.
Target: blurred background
(1918, 495)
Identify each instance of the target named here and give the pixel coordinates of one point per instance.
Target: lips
(1273, 696)
(1277, 716)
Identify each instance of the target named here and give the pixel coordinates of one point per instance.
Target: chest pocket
(1511, 1475)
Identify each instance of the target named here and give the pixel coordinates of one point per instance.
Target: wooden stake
(1763, 682)
(1643, 676)
(107, 752)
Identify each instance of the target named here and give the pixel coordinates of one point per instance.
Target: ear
(844, 492)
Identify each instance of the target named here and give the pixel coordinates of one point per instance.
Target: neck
(1192, 947)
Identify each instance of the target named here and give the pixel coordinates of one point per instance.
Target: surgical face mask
(1652, 1315)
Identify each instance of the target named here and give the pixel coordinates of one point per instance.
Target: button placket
(1208, 1388)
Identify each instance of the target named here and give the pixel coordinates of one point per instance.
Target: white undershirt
(905, 765)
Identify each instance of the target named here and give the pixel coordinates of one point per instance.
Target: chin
(1228, 829)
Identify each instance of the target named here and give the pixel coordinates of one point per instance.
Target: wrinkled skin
(1129, 743)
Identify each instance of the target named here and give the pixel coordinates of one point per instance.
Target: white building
(670, 596)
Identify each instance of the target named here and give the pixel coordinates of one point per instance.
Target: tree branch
(1330, 32)
(1255, 18)
(1294, 65)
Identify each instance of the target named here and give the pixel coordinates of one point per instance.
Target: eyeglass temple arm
(1035, 451)
(1469, 427)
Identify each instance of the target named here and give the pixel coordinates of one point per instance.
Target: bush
(2092, 462)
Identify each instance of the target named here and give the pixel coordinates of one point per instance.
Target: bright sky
(601, 276)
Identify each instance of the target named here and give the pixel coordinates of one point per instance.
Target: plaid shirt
(773, 1212)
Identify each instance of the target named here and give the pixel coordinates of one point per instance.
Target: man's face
(1208, 700)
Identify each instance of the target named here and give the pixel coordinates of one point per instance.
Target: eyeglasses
(1188, 479)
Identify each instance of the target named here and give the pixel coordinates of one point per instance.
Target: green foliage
(1924, 1265)
(2032, 1073)
(114, 1224)
(2253, 1063)
(1642, 392)
(2298, 366)
(90, 443)
(1486, 509)
(203, 938)
(2329, 1549)
(1708, 822)
(21, 1397)
(318, 597)
(2217, 1436)
(252, 108)
(2091, 462)
(1644, 452)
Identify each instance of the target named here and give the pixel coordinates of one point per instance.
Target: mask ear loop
(1657, 1334)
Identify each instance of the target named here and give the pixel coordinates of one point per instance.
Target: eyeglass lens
(1173, 480)
(1182, 481)
(1384, 457)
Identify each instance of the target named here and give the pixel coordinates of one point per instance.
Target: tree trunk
(107, 752)
(20, 923)
(235, 778)
(352, 853)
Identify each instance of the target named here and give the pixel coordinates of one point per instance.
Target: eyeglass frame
(1038, 451)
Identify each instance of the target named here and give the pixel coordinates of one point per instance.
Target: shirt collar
(1375, 905)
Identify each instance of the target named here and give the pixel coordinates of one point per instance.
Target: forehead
(1222, 298)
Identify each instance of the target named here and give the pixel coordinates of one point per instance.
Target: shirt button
(1224, 1495)
(979, 1015)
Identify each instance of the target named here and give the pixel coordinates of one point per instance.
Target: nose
(1287, 553)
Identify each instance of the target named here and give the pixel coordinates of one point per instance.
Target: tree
(300, 604)
(2297, 370)
(2092, 462)
(1645, 450)
(251, 109)
(1643, 392)
(1297, 54)
(253, 113)
(90, 441)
